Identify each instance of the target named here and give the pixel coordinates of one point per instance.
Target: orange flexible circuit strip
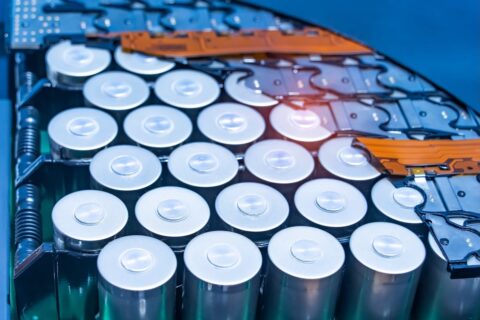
(209, 43)
(430, 157)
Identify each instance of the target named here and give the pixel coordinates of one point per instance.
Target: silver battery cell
(339, 158)
(187, 89)
(231, 124)
(303, 276)
(398, 204)
(222, 277)
(137, 279)
(382, 274)
(237, 90)
(142, 64)
(158, 128)
(70, 65)
(80, 132)
(439, 296)
(302, 125)
(172, 214)
(116, 91)
(330, 204)
(204, 166)
(86, 220)
(253, 209)
(280, 163)
(126, 171)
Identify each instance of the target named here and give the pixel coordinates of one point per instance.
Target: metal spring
(28, 137)
(28, 225)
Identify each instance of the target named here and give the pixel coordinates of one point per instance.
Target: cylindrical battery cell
(80, 133)
(158, 128)
(281, 164)
(439, 296)
(83, 222)
(141, 64)
(231, 124)
(172, 214)
(87, 220)
(252, 209)
(382, 273)
(187, 89)
(137, 279)
(116, 91)
(329, 204)
(126, 171)
(304, 274)
(339, 159)
(305, 126)
(397, 205)
(203, 167)
(221, 279)
(235, 87)
(70, 65)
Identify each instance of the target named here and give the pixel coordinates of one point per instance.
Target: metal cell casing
(157, 127)
(231, 124)
(439, 296)
(397, 205)
(116, 91)
(172, 214)
(382, 273)
(126, 171)
(187, 89)
(342, 160)
(330, 204)
(303, 276)
(80, 132)
(279, 162)
(222, 277)
(70, 65)
(302, 125)
(140, 63)
(137, 279)
(253, 209)
(86, 220)
(236, 88)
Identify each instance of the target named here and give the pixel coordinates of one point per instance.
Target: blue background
(439, 39)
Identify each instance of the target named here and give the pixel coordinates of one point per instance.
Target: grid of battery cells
(205, 198)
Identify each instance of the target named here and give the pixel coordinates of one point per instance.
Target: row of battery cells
(220, 270)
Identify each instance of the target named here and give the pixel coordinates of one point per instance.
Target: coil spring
(28, 225)
(28, 137)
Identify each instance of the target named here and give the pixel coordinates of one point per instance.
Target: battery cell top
(300, 125)
(69, 64)
(83, 219)
(125, 168)
(203, 164)
(252, 207)
(82, 129)
(342, 160)
(223, 258)
(387, 248)
(279, 161)
(136, 263)
(172, 212)
(330, 203)
(231, 123)
(140, 63)
(187, 89)
(157, 126)
(237, 90)
(116, 91)
(397, 203)
(306, 252)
